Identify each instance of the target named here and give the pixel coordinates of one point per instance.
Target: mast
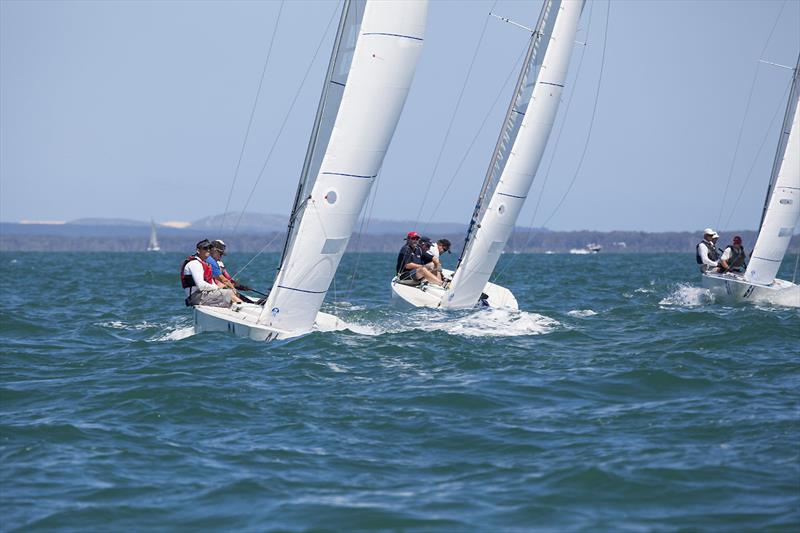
(507, 133)
(303, 184)
(782, 205)
(524, 139)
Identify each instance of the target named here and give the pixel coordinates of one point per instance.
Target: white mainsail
(153, 246)
(495, 219)
(354, 141)
(782, 207)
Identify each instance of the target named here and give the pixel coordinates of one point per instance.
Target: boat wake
(175, 334)
(483, 323)
(686, 295)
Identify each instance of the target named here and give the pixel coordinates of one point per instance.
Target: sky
(140, 109)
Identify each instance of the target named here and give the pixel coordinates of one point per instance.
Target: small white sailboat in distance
(153, 245)
(375, 54)
(516, 157)
(778, 222)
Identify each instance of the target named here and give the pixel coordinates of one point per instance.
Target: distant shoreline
(88, 238)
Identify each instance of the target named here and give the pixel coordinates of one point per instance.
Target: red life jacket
(187, 280)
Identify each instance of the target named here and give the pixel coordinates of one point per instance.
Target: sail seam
(394, 35)
(301, 290)
(551, 83)
(511, 195)
(349, 175)
(765, 259)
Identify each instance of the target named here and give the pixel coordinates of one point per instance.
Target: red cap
(412, 235)
(737, 240)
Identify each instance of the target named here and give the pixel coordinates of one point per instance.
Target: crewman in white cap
(706, 252)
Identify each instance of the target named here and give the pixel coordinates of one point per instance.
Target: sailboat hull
(427, 295)
(243, 322)
(733, 288)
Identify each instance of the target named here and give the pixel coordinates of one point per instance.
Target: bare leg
(428, 275)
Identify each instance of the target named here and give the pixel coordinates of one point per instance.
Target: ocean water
(621, 398)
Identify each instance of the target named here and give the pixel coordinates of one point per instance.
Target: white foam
(180, 332)
(481, 323)
(686, 295)
(335, 367)
(118, 324)
(581, 313)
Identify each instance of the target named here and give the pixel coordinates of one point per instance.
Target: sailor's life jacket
(187, 280)
(713, 254)
(737, 258)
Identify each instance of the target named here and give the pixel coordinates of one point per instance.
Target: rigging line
(366, 218)
(286, 117)
(455, 112)
(767, 135)
(252, 114)
(277, 234)
(477, 134)
(591, 121)
(744, 116)
(578, 71)
(796, 265)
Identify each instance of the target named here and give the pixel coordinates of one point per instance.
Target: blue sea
(621, 397)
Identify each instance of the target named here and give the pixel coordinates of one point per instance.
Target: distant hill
(108, 222)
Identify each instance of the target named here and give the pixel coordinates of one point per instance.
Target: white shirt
(195, 269)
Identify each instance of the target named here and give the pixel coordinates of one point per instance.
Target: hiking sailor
(410, 266)
(430, 258)
(197, 279)
(706, 252)
(734, 258)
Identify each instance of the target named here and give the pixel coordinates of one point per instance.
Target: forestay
(527, 128)
(354, 144)
(782, 207)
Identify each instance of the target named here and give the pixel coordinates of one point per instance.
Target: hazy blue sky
(139, 109)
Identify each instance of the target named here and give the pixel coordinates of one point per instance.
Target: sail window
(497, 247)
(785, 232)
(333, 246)
(331, 197)
(786, 201)
(501, 209)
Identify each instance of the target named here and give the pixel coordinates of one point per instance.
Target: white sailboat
(778, 222)
(369, 75)
(516, 157)
(153, 246)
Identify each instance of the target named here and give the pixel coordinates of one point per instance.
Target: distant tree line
(522, 241)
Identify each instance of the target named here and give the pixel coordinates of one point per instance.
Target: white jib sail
(498, 220)
(783, 207)
(383, 65)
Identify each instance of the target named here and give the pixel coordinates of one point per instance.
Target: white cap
(709, 231)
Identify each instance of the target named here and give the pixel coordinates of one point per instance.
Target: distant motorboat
(591, 248)
(153, 245)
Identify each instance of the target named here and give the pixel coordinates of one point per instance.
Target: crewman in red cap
(410, 267)
(734, 258)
